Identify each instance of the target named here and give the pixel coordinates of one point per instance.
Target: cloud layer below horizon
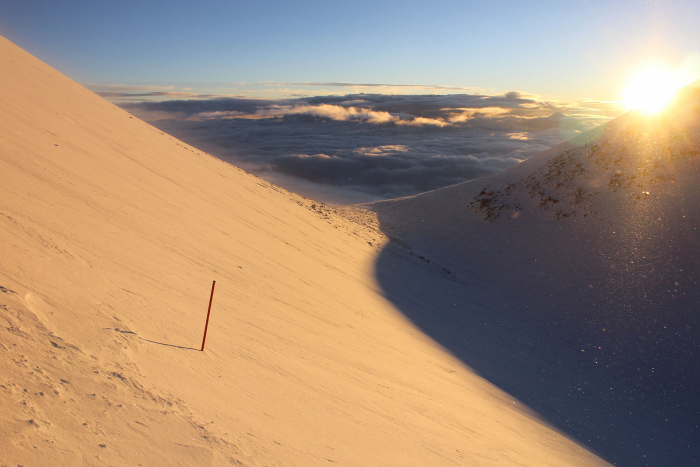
(364, 147)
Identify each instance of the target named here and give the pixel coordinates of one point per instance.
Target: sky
(569, 50)
(362, 100)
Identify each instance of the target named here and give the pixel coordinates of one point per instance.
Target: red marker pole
(208, 312)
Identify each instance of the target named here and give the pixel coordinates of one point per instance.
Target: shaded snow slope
(111, 233)
(596, 241)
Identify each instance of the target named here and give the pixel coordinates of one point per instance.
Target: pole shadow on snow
(169, 345)
(504, 342)
(156, 342)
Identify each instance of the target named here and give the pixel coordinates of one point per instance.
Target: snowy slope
(111, 233)
(598, 241)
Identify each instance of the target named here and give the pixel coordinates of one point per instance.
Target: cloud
(141, 95)
(221, 114)
(382, 150)
(464, 114)
(125, 88)
(326, 111)
(332, 112)
(125, 92)
(373, 146)
(188, 108)
(384, 86)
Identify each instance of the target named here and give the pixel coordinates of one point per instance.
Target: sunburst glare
(650, 90)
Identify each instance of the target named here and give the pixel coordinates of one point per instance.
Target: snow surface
(111, 234)
(592, 250)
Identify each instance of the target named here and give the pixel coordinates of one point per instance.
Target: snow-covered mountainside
(597, 240)
(111, 233)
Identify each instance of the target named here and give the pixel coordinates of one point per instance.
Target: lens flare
(650, 90)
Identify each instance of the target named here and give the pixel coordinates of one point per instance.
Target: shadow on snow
(545, 368)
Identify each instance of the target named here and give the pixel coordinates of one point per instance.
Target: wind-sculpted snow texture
(592, 246)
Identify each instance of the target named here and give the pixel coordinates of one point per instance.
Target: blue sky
(559, 49)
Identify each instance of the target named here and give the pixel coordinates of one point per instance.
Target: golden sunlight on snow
(112, 233)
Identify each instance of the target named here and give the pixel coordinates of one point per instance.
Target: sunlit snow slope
(111, 233)
(598, 242)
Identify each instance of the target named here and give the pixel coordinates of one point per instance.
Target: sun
(650, 90)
